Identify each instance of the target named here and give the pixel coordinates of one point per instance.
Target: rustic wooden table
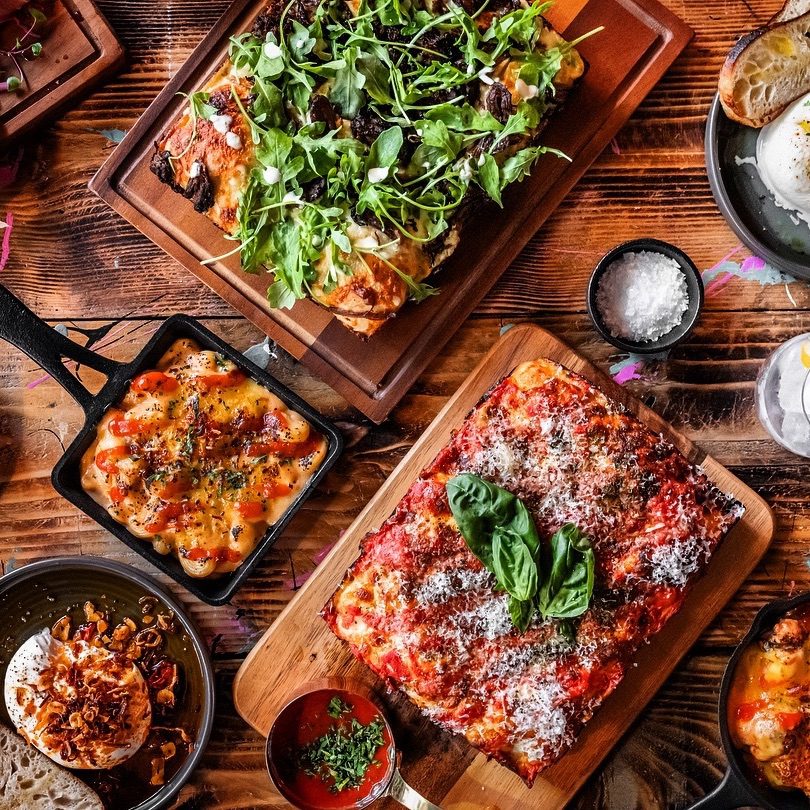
(76, 263)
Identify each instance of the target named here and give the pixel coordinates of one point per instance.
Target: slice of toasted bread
(766, 71)
(30, 781)
(791, 10)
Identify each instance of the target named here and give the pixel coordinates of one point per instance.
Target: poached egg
(83, 706)
(783, 158)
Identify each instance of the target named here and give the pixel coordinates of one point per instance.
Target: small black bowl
(694, 287)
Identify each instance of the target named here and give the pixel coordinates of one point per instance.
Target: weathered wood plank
(74, 258)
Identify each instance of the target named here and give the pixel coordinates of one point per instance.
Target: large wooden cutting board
(299, 647)
(639, 42)
(80, 48)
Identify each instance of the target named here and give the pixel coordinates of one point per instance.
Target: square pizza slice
(421, 610)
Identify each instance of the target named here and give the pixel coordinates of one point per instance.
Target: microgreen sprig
(27, 45)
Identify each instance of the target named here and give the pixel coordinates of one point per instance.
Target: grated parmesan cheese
(675, 563)
(642, 296)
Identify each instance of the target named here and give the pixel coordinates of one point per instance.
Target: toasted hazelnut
(158, 765)
(61, 630)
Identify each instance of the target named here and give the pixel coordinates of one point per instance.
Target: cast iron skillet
(19, 326)
(739, 788)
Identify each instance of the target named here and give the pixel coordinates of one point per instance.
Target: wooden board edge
(111, 56)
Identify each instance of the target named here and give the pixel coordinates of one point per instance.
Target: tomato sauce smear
(306, 720)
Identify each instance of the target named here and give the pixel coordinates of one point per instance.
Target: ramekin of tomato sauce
(332, 748)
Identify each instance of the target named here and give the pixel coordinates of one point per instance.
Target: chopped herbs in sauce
(344, 754)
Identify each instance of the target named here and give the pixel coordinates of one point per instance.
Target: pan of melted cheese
(200, 459)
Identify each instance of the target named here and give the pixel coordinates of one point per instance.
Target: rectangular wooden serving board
(639, 42)
(299, 647)
(80, 48)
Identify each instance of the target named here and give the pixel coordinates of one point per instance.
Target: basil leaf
(521, 613)
(523, 525)
(566, 592)
(515, 567)
(478, 507)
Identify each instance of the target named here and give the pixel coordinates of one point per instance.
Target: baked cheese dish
(342, 143)
(423, 611)
(200, 459)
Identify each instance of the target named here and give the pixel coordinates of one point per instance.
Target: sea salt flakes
(642, 296)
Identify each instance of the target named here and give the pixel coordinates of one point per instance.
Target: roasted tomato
(154, 381)
(226, 380)
(106, 459)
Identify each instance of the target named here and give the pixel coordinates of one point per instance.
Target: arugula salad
(363, 132)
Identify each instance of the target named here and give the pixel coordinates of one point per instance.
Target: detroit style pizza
(342, 143)
(437, 613)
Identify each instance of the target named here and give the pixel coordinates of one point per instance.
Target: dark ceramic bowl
(739, 787)
(694, 288)
(745, 202)
(294, 716)
(35, 596)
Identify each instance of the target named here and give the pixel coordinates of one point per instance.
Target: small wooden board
(80, 48)
(639, 42)
(299, 647)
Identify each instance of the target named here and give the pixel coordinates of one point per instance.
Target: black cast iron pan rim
(47, 347)
(694, 284)
(726, 206)
(60, 565)
(738, 788)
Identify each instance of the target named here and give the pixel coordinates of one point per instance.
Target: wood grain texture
(75, 261)
(79, 49)
(639, 42)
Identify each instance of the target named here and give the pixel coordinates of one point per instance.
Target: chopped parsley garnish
(417, 135)
(337, 707)
(344, 754)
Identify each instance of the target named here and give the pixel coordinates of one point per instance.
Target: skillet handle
(45, 346)
(728, 795)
